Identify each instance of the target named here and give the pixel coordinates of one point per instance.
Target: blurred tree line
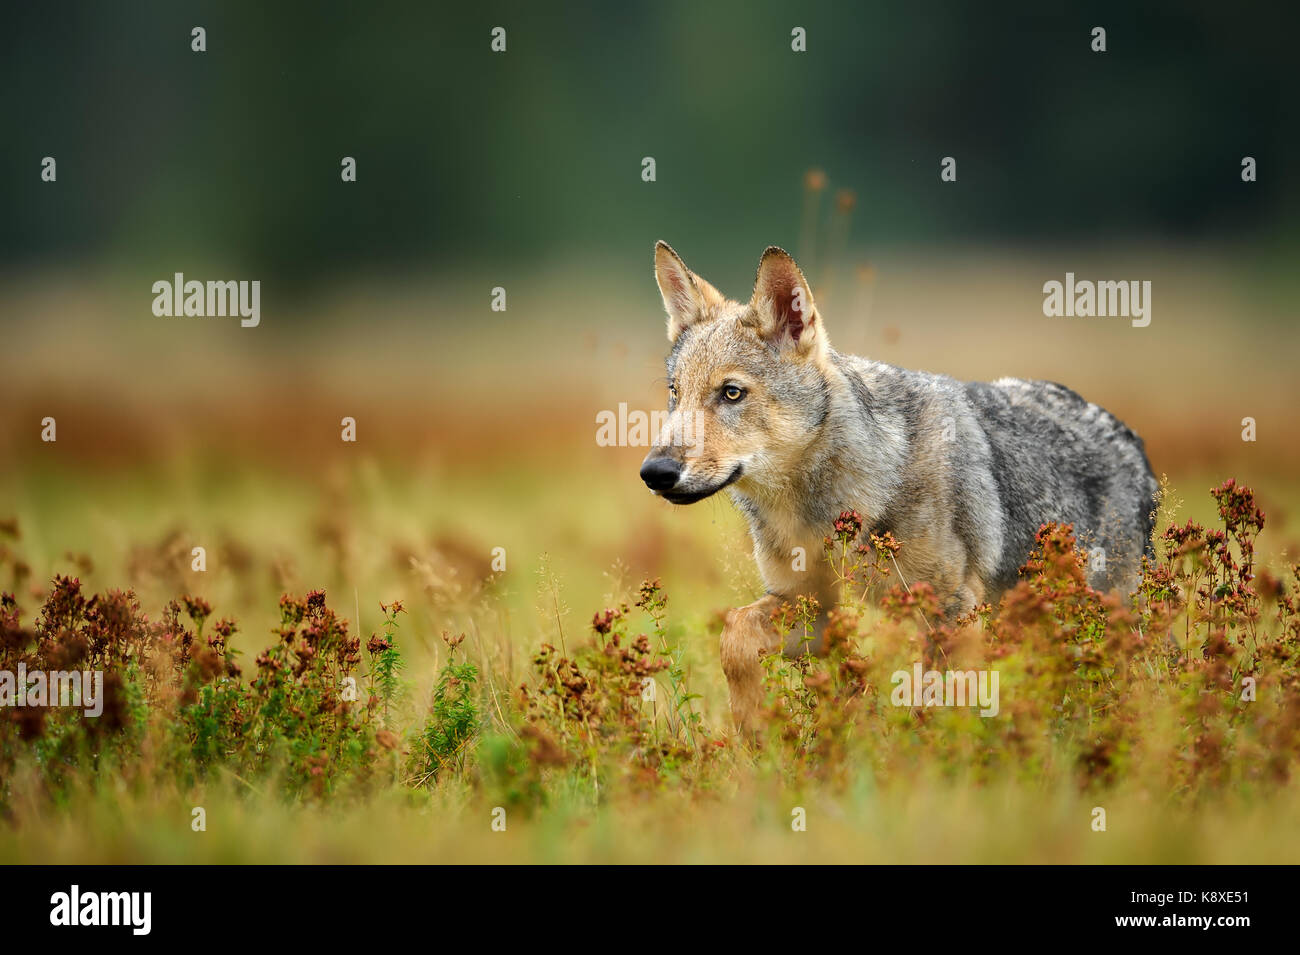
(166, 155)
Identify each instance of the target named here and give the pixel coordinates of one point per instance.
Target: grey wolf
(962, 473)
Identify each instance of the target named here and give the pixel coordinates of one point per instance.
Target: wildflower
(847, 527)
(198, 609)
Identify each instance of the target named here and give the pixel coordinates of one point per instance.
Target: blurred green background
(170, 158)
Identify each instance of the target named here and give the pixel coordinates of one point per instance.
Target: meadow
(502, 713)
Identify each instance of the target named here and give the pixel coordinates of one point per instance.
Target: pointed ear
(688, 299)
(784, 306)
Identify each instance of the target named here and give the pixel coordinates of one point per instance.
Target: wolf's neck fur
(856, 459)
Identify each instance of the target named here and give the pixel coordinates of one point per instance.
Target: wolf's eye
(733, 392)
(672, 392)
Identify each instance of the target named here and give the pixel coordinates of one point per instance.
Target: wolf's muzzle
(661, 474)
(689, 495)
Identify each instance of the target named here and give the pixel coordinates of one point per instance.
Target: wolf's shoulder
(883, 378)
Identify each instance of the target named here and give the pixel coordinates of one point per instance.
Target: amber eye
(733, 392)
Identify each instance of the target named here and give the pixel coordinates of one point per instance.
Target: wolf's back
(1058, 457)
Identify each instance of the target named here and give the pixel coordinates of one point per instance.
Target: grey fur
(1018, 454)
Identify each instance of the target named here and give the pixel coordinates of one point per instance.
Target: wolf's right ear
(688, 299)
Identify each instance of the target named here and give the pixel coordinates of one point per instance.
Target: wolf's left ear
(783, 304)
(687, 297)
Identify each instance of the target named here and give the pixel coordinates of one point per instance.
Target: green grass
(589, 778)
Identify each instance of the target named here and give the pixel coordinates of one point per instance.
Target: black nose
(660, 474)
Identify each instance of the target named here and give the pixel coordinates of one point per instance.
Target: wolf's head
(747, 389)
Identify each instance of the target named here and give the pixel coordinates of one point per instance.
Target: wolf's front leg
(747, 635)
